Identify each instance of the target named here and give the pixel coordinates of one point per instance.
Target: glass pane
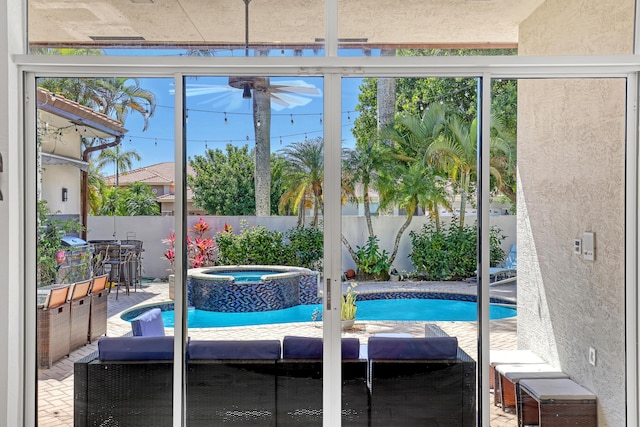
(100, 190)
(406, 256)
(255, 152)
(192, 27)
(533, 27)
(570, 232)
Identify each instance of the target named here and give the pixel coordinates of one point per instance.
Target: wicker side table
(555, 402)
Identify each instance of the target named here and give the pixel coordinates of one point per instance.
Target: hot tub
(247, 288)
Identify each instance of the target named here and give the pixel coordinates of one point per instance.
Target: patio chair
(504, 274)
(508, 271)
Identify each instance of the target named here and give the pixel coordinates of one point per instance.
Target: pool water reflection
(386, 309)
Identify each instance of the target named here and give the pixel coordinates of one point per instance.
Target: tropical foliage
(201, 249)
(450, 253)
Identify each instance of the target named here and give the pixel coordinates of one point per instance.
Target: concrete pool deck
(55, 385)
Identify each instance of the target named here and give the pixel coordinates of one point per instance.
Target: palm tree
(360, 166)
(304, 174)
(95, 184)
(122, 160)
(458, 154)
(410, 177)
(117, 97)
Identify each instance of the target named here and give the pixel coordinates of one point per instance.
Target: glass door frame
(332, 70)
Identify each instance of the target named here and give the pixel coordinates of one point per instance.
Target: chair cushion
(135, 348)
(429, 348)
(148, 324)
(311, 348)
(225, 350)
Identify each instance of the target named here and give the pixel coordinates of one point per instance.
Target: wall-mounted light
(65, 194)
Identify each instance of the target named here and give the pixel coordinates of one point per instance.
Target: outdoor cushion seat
(300, 383)
(135, 348)
(227, 350)
(148, 324)
(429, 348)
(311, 348)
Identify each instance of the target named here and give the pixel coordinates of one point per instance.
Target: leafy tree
(139, 200)
(223, 183)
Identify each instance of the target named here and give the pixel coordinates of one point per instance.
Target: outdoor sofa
(129, 382)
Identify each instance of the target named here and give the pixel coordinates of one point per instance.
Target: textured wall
(571, 161)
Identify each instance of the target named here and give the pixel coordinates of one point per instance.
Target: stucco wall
(571, 162)
(151, 230)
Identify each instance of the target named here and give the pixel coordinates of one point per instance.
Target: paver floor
(55, 385)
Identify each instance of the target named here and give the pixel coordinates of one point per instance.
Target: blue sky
(206, 126)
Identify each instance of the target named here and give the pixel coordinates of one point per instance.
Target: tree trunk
(386, 96)
(396, 244)
(262, 126)
(463, 196)
(346, 244)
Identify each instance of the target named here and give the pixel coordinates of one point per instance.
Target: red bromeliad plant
(201, 249)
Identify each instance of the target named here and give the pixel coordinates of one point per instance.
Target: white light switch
(588, 246)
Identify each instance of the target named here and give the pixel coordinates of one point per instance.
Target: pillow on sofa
(148, 324)
(311, 348)
(430, 348)
(225, 350)
(135, 348)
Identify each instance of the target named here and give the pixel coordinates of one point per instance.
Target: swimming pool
(381, 309)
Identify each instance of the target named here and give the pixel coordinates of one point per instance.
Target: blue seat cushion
(135, 348)
(429, 348)
(148, 324)
(221, 350)
(311, 348)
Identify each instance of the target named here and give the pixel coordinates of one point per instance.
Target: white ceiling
(290, 23)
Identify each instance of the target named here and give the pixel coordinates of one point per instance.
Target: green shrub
(371, 260)
(450, 253)
(305, 247)
(299, 246)
(253, 245)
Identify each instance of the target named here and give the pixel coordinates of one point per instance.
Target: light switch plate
(588, 246)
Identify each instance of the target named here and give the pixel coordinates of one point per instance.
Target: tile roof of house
(78, 114)
(157, 174)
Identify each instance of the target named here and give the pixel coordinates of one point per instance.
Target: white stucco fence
(152, 229)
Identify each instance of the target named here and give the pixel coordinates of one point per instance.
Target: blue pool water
(387, 309)
(249, 276)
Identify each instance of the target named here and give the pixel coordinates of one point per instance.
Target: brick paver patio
(55, 385)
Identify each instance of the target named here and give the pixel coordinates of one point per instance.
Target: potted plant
(348, 308)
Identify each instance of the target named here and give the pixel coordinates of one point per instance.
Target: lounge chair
(508, 272)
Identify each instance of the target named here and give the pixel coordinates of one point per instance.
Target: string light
(291, 119)
(226, 121)
(320, 118)
(258, 122)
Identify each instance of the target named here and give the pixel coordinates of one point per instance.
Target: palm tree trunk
(367, 209)
(463, 196)
(262, 126)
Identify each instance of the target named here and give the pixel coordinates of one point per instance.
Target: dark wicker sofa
(129, 382)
